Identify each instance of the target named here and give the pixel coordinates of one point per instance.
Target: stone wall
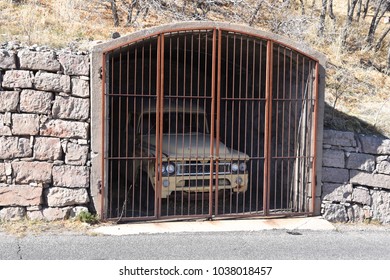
(356, 177)
(44, 132)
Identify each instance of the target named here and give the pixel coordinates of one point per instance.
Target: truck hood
(183, 146)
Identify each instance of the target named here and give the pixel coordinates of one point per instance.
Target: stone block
(75, 211)
(12, 213)
(337, 192)
(47, 148)
(25, 124)
(71, 176)
(52, 82)
(333, 158)
(381, 206)
(339, 138)
(80, 87)
(335, 175)
(59, 197)
(359, 161)
(374, 145)
(32, 60)
(55, 213)
(33, 101)
(335, 213)
(7, 59)
(361, 195)
(18, 79)
(370, 179)
(3, 175)
(36, 215)
(74, 64)
(76, 154)
(20, 195)
(67, 107)
(355, 213)
(4, 129)
(9, 101)
(14, 147)
(32, 172)
(384, 167)
(64, 129)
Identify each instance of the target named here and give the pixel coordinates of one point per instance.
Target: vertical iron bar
(218, 116)
(314, 137)
(268, 120)
(103, 139)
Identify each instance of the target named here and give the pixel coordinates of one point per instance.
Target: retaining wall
(356, 177)
(45, 145)
(44, 132)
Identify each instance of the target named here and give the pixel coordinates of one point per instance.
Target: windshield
(174, 123)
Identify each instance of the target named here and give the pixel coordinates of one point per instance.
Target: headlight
(171, 168)
(242, 166)
(235, 167)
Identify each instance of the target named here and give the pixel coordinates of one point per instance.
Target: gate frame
(97, 89)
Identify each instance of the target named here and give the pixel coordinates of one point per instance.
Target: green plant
(87, 217)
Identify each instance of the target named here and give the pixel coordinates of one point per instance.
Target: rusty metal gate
(208, 123)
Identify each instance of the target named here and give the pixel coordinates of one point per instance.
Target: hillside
(358, 84)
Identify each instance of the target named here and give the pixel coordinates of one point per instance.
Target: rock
(355, 213)
(339, 138)
(58, 197)
(12, 213)
(333, 158)
(361, 195)
(71, 176)
(335, 213)
(33, 60)
(374, 145)
(337, 192)
(74, 64)
(75, 211)
(384, 167)
(76, 154)
(33, 101)
(80, 87)
(18, 79)
(14, 147)
(25, 124)
(64, 129)
(3, 175)
(32, 172)
(52, 82)
(20, 195)
(9, 101)
(7, 59)
(359, 161)
(370, 180)
(52, 214)
(381, 206)
(36, 215)
(335, 175)
(47, 148)
(67, 107)
(4, 130)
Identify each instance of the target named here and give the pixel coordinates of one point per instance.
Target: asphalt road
(344, 244)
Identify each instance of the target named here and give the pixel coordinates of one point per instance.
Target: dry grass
(364, 93)
(31, 227)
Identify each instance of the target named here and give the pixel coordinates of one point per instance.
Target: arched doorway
(207, 121)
